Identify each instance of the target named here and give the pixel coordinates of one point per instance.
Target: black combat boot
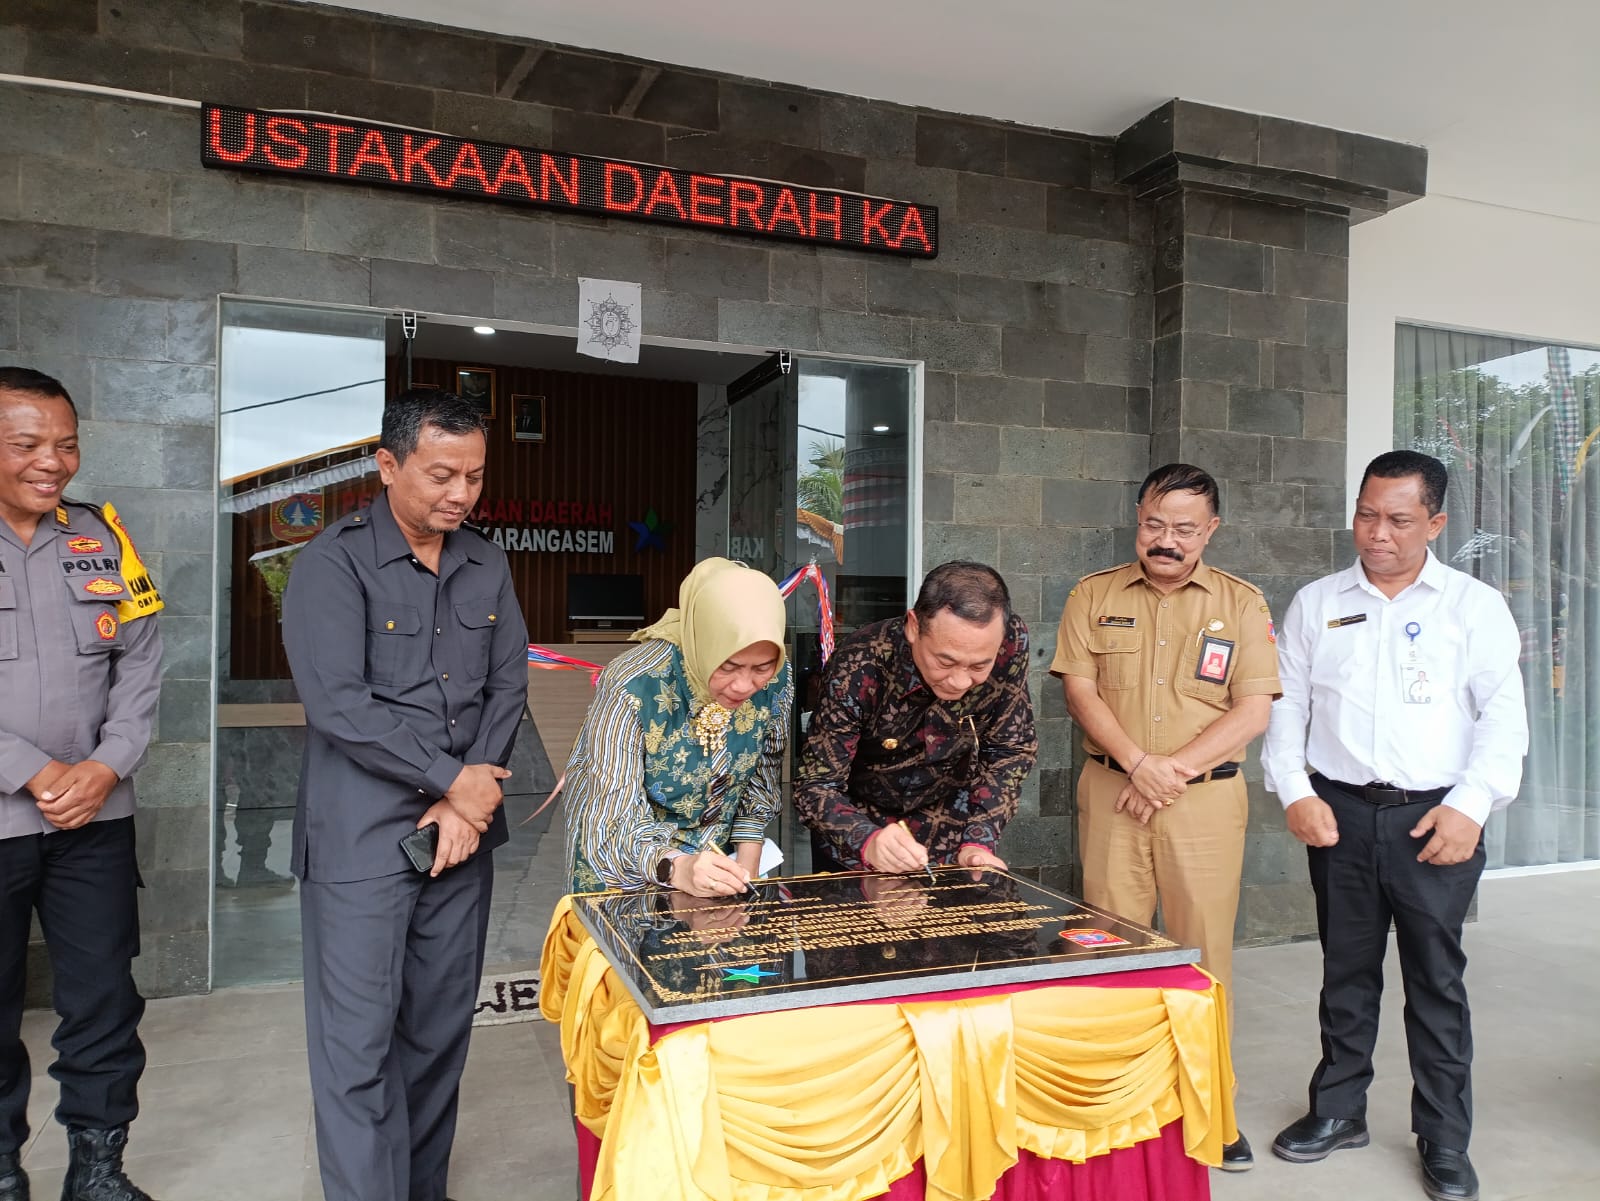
(95, 1171)
(13, 1180)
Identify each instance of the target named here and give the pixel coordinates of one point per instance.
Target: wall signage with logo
(384, 156)
(552, 527)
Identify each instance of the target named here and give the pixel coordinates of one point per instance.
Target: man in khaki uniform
(1170, 669)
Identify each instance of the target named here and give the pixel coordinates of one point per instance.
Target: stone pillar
(1250, 279)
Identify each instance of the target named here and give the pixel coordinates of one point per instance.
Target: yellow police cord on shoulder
(142, 599)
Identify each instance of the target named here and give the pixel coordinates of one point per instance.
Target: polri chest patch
(102, 586)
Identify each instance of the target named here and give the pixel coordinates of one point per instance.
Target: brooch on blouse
(710, 726)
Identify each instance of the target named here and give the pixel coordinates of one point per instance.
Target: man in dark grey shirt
(80, 673)
(410, 655)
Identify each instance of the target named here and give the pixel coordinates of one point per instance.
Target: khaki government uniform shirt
(1143, 650)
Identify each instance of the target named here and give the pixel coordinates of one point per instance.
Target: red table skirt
(1154, 1170)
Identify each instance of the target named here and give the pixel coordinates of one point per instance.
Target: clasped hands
(71, 794)
(464, 812)
(1155, 783)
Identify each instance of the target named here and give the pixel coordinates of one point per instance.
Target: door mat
(506, 998)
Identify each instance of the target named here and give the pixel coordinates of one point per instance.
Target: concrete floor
(227, 1111)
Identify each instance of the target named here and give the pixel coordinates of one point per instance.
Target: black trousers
(84, 885)
(392, 967)
(1368, 879)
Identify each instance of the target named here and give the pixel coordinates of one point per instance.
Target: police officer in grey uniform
(410, 655)
(80, 672)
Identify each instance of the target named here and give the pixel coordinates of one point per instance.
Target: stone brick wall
(1252, 222)
(1037, 323)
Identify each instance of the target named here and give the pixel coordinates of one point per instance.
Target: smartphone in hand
(421, 845)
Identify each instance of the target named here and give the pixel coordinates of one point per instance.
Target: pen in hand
(927, 866)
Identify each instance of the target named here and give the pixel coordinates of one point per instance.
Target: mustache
(1163, 552)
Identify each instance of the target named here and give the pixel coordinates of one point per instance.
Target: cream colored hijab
(723, 607)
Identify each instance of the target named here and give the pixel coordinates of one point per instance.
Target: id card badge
(1415, 686)
(1216, 657)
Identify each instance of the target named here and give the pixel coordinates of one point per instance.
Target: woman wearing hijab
(676, 771)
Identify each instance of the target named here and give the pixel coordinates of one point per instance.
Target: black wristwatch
(664, 870)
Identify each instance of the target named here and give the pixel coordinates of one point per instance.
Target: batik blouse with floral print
(653, 772)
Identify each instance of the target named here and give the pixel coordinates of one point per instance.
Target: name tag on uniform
(1216, 656)
(1126, 623)
(1354, 619)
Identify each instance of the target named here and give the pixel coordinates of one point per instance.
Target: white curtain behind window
(1512, 420)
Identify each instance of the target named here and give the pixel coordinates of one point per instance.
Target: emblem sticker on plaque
(1094, 938)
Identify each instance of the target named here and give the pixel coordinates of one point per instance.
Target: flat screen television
(605, 602)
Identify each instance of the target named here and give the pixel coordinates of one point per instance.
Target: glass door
(761, 466)
(301, 396)
(819, 470)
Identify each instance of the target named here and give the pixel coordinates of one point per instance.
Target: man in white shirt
(1402, 726)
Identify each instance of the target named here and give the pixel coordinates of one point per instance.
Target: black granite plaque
(820, 940)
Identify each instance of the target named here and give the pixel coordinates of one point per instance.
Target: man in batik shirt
(923, 733)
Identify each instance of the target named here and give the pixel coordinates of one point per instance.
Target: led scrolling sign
(359, 152)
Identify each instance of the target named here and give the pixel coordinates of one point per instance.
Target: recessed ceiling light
(880, 429)
(483, 329)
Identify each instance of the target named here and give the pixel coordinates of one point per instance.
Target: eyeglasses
(1185, 532)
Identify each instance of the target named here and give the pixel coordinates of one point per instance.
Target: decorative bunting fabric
(813, 572)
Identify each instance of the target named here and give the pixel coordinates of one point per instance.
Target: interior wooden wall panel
(626, 442)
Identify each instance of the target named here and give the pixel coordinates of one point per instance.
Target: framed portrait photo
(477, 385)
(527, 419)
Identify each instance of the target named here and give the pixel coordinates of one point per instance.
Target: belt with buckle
(1221, 771)
(1381, 792)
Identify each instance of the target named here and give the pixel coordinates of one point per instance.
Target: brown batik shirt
(882, 747)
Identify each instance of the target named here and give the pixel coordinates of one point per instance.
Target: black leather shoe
(13, 1180)
(1447, 1175)
(1237, 1156)
(1313, 1138)
(94, 1172)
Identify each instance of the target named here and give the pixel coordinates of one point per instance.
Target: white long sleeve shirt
(1422, 691)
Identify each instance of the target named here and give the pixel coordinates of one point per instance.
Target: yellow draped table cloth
(836, 1102)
